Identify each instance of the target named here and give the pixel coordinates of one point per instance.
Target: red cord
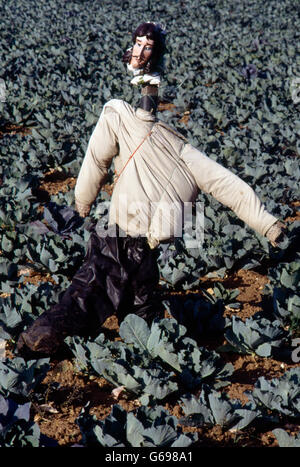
(118, 176)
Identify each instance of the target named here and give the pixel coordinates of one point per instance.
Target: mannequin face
(141, 52)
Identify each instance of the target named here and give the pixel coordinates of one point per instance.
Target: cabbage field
(222, 368)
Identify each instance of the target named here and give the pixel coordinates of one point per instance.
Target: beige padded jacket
(164, 173)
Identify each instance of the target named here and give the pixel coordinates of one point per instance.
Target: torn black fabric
(119, 275)
(59, 219)
(62, 219)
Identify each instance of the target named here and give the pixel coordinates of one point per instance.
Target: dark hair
(155, 33)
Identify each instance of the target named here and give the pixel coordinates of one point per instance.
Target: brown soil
(250, 284)
(54, 182)
(183, 118)
(295, 205)
(13, 129)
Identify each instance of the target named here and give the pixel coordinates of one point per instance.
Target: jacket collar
(145, 115)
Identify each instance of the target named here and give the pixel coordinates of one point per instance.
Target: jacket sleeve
(102, 147)
(228, 189)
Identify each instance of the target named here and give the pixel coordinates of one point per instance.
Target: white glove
(82, 209)
(275, 233)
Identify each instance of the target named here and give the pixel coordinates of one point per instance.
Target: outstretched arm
(233, 192)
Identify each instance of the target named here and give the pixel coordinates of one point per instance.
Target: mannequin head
(142, 51)
(148, 48)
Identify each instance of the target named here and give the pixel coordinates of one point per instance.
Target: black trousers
(119, 275)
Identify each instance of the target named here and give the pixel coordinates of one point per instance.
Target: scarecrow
(157, 173)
